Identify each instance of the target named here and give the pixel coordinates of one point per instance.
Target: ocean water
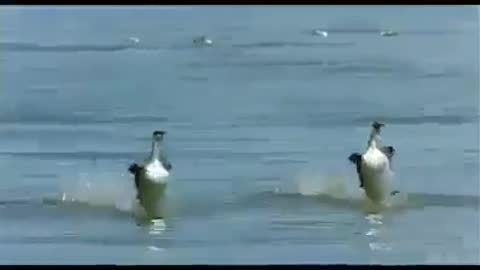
(259, 125)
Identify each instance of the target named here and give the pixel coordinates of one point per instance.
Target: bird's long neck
(374, 139)
(156, 147)
(372, 143)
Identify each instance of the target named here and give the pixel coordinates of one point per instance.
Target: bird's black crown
(159, 132)
(377, 125)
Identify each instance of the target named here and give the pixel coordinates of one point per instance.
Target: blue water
(260, 126)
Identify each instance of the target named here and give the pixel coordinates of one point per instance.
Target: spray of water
(311, 183)
(100, 189)
(115, 191)
(343, 187)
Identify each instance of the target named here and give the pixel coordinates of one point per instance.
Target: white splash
(335, 186)
(100, 189)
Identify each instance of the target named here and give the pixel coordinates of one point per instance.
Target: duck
(374, 167)
(202, 41)
(388, 33)
(151, 177)
(133, 40)
(318, 32)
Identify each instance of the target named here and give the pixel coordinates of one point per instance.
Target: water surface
(259, 130)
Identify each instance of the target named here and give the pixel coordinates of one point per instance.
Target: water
(259, 130)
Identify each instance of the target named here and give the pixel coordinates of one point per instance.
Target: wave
(280, 44)
(62, 48)
(97, 190)
(365, 68)
(377, 30)
(323, 119)
(407, 200)
(114, 195)
(95, 193)
(88, 155)
(327, 120)
(440, 74)
(261, 63)
(324, 66)
(203, 153)
(78, 119)
(35, 47)
(423, 119)
(67, 204)
(121, 203)
(337, 192)
(40, 175)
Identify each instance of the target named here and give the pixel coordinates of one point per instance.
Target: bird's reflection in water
(154, 226)
(157, 227)
(374, 233)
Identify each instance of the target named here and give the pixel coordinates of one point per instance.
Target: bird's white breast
(375, 171)
(375, 160)
(155, 172)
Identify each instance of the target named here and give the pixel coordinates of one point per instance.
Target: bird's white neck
(374, 139)
(155, 155)
(372, 143)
